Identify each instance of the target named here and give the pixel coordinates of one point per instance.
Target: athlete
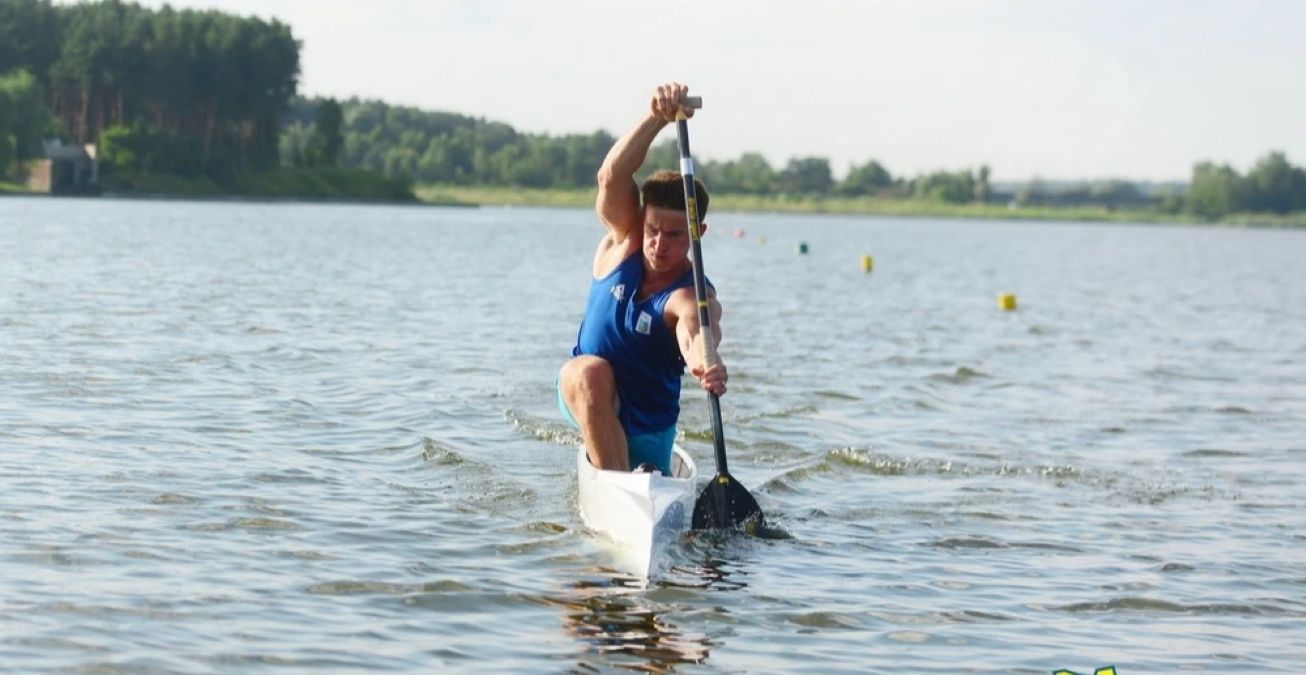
(621, 387)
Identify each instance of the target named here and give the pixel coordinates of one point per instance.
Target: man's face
(666, 238)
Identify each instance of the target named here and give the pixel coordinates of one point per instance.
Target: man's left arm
(691, 339)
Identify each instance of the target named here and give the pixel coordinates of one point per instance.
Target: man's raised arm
(618, 201)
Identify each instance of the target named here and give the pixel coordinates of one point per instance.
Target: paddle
(724, 502)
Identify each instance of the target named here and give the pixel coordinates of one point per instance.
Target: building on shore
(64, 169)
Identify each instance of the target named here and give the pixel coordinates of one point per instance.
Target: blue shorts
(654, 448)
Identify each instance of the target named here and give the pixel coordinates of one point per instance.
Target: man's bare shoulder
(611, 252)
(684, 302)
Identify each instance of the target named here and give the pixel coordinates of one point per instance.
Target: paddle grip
(710, 355)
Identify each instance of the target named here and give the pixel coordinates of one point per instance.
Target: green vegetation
(326, 183)
(24, 120)
(1272, 186)
(446, 148)
(484, 195)
(179, 102)
(584, 198)
(214, 85)
(463, 159)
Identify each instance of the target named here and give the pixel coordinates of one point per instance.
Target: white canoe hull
(641, 512)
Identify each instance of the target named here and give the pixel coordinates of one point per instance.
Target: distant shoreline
(485, 196)
(862, 206)
(232, 198)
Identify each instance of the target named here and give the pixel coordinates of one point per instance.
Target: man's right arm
(618, 202)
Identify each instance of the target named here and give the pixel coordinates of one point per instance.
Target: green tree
(326, 140)
(217, 78)
(954, 187)
(1274, 185)
(29, 37)
(866, 179)
(24, 121)
(1215, 191)
(805, 175)
(751, 173)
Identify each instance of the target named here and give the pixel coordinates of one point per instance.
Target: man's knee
(588, 379)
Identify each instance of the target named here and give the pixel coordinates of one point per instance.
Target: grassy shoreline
(354, 187)
(584, 198)
(283, 184)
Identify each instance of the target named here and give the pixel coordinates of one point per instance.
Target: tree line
(1272, 185)
(161, 90)
(448, 148)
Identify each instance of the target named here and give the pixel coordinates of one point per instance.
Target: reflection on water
(632, 623)
(622, 627)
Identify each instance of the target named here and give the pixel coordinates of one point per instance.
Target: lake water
(278, 437)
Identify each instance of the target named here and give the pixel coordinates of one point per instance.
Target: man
(622, 386)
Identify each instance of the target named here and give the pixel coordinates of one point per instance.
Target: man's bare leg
(590, 391)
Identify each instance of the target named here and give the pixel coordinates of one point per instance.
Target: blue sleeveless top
(635, 340)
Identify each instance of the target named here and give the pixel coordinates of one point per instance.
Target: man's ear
(702, 227)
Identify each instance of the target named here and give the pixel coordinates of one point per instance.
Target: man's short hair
(665, 189)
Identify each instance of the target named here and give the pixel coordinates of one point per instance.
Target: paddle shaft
(700, 280)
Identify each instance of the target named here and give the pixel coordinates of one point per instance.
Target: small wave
(554, 433)
(252, 524)
(1121, 485)
(540, 527)
(961, 375)
(880, 465)
(470, 483)
(939, 618)
(1153, 494)
(836, 395)
(967, 542)
(1214, 452)
(1163, 373)
(286, 476)
(824, 620)
(790, 412)
(170, 498)
(435, 452)
(348, 587)
(1138, 604)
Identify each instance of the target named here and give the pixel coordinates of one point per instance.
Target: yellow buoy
(1007, 302)
(868, 263)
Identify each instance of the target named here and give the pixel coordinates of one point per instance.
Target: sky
(1048, 89)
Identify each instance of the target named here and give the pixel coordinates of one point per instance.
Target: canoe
(642, 513)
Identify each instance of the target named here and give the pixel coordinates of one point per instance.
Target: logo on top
(619, 292)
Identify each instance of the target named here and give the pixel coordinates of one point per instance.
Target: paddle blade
(725, 503)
